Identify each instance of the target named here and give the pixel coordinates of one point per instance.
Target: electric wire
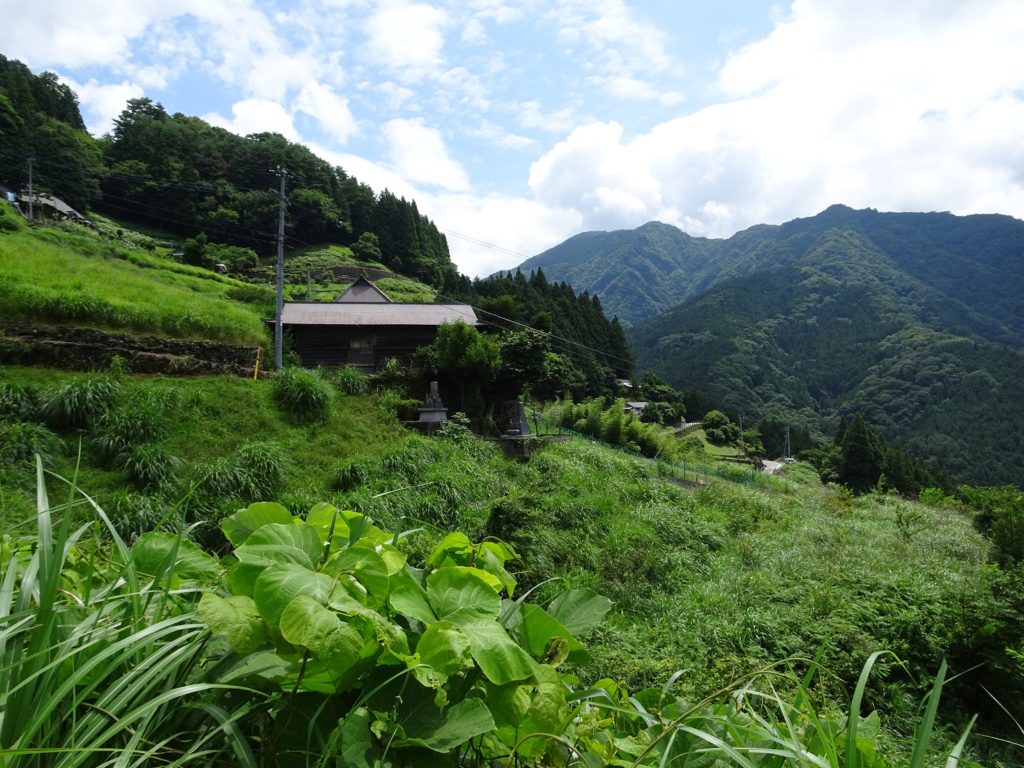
(266, 237)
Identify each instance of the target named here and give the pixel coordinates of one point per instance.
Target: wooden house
(364, 328)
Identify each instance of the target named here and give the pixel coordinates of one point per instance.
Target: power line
(549, 334)
(258, 237)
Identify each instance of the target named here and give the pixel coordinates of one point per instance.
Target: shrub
(78, 403)
(350, 381)
(133, 514)
(19, 403)
(20, 441)
(149, 465)
(251, 473)
(141, 419)
(302, 393)
(352, 473)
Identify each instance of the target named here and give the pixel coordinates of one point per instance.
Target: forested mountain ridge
(974, 260)
(844, 330)
(185, 176)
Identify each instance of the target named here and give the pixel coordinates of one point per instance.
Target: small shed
(364, 328)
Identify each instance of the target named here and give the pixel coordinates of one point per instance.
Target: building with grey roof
(364, 328)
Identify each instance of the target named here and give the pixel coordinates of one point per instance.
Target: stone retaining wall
(91, 349)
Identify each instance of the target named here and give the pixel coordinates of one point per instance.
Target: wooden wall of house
(366, 348)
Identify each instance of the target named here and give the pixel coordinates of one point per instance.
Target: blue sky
(519, 124)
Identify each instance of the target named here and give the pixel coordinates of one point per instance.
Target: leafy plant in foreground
(98, 665)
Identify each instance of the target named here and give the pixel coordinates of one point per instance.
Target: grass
(97, 665)
(718, 579)
(199, 421)
(71, 278)
(93, 630)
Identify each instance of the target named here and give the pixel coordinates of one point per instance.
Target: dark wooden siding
(366, 348)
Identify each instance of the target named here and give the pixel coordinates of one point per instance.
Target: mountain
(639, 273)
(915, 320)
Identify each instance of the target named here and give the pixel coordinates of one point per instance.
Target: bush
(78, 403)
(134, 514)
(253, 472)
(19, 403)
(140, 420)
(350, 381)
(303, 394)
(149, 465)
(20, 441)
(352, 473)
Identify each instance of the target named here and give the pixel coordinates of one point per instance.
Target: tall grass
(302, 393)
(98, 667)
(78, 403)
(56, 277)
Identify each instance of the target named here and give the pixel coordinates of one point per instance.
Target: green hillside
(971, 260)
(844, 331)
(913, 320)
(718, 580)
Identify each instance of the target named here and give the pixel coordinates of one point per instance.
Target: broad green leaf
(153, 552)
(356, 740)
(509, 703)
(455, 546)
(445, 648)
(548, 711)
(393, 559)
(497, 655)
(410, 599)
(579, 610)
(441, 731)
(541, 635)
(242, 577)
(306, 623)
(461, 594)
(236, 618)
(239, 526)
(265, 665)
(367, 567)
(280, 543)
(492, 556)
(279, 584)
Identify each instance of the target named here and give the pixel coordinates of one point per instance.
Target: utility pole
(278, 331)
(31, 197)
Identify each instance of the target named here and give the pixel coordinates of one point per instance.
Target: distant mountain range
(915, 320)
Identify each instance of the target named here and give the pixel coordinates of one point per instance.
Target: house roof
(375, 314)
(363, 291)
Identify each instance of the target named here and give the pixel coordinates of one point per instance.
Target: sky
(516, 124)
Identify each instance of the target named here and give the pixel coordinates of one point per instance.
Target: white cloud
(499, 136)
(599, 176)
(375, 175)
(420, 154)
(520, 227)
(531, 114)
(257, 116)
(407, 38)
(101, 103)
(628, 87)
(609, 25)
(74, 33)
(862, 103)
(330, 110)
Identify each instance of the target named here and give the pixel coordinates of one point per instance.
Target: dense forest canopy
(181, 175)
(913, 320)
(184, 176)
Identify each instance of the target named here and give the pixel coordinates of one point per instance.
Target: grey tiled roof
(314, 313)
